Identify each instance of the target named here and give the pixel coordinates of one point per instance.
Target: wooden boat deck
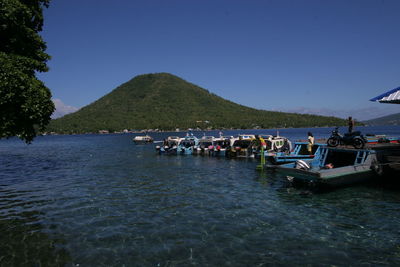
(388, 155)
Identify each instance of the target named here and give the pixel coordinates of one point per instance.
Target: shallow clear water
(100, 200)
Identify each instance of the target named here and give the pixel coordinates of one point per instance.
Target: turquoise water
(100, 200)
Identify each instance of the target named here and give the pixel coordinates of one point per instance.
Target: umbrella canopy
(392, 97)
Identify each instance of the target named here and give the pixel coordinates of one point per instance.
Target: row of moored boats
(243, 145)
(323, 166)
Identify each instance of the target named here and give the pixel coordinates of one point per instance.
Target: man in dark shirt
(351, 124)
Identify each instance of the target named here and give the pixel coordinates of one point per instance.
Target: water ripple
(101, 201)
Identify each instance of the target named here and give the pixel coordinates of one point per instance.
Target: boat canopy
(391, 97)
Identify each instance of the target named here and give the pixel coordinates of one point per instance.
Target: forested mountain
(166, 102)
(393, 119)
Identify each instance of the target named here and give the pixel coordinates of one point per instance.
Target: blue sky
(326, 57)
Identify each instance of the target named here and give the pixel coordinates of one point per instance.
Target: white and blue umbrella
(391, 97)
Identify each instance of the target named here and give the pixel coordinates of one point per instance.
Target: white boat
(143, 139)
(205, 146)
(169, 145)
(220, 145)
(269, 146)
(240, 146)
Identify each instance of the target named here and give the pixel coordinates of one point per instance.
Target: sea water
(100, 200)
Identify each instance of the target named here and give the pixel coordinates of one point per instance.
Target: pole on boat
(262, 159)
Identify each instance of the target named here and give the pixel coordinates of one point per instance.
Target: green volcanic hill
(393, 119)
(166, 102)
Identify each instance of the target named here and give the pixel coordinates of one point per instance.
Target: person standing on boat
(351, 124)
(310, 142)
(263, 143)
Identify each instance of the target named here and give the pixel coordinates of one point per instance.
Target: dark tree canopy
(25, 102)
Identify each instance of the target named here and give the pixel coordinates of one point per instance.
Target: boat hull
(202, 152)
(166, 151)
(287, 159)
(139, 142)
(328, 178)
(185, 150)
(218, 153)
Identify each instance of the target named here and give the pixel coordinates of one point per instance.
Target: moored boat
(299, 152)
(220, 145)
(333, 167)
(271, 145)
(186, 145)
(240, 146)
(143, 139)
(169, 145)
(373, 139)
(204, 146)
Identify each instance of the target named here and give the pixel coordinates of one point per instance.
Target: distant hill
(393, 119)
(166, 102)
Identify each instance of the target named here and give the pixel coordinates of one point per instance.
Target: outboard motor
(302, 165)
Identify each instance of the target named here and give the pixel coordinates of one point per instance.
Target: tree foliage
(166, 102)
(25, 102)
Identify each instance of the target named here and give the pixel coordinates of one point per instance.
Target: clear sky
(320, 56)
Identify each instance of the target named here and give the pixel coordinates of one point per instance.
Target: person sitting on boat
(328, 166)
(310, 143)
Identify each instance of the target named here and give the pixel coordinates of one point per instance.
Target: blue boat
(333, 167)
(299, 152)
(373, 139)
(186, 145)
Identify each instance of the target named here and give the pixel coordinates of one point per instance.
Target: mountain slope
(167, 102)
(393, 119)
